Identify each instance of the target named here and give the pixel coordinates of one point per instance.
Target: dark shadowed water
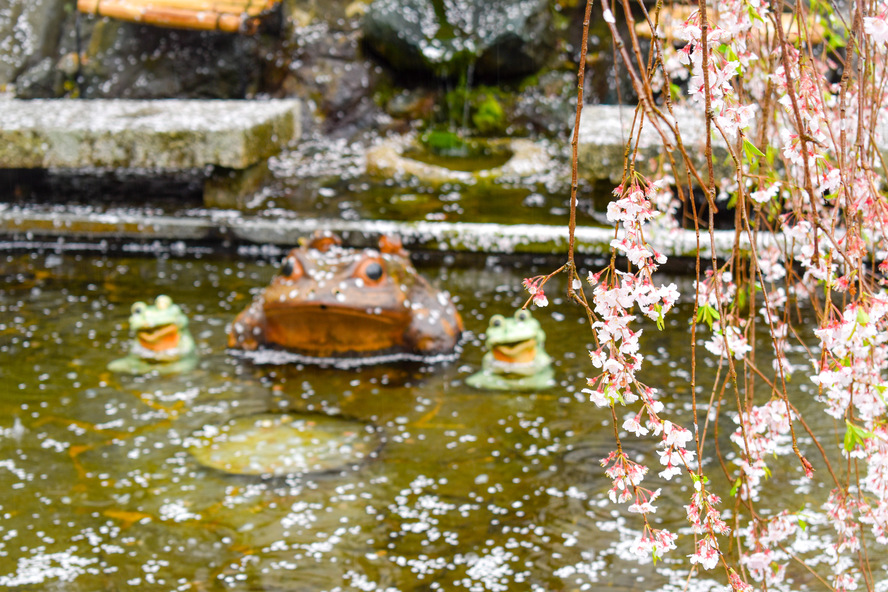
(472, 490)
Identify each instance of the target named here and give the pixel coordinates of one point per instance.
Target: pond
(471, 489)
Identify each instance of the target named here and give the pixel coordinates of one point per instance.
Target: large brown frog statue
(328, 301)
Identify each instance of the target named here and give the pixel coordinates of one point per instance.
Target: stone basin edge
(217, 226)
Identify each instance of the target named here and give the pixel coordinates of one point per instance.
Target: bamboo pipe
(226, 6)
(195, 14)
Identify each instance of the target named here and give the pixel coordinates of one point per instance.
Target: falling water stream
(471, 490)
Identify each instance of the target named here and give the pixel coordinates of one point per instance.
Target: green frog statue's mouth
(515, 352)
(159, 338)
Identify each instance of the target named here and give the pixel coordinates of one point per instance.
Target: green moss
(444, 142)
(489, 118)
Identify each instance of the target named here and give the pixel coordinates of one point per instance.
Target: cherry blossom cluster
(614, 299)
(840, 509)
(535, 286)
(876, 26)
(731, 29)
(819, 196)
(763, 432)
(855, 347)
(766, 559)
(616, 295)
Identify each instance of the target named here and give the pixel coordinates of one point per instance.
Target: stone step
(233, 137)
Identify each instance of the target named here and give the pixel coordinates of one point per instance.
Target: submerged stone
(497, 37)
(280, 444)
(403, 157)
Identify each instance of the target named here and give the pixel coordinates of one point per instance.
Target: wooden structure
(673, 16)
(230, 16)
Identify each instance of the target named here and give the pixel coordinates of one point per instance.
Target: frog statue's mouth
(324, 330)
(159, 338)
(515, 352)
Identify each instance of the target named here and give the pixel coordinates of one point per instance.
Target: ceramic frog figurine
(329, 301)
(161, 340)
(515, 358)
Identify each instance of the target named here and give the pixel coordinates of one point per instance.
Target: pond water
(471, 490)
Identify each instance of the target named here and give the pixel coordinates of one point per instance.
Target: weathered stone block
(163, 135)
(605, 132)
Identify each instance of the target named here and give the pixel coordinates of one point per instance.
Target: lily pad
(279, 444)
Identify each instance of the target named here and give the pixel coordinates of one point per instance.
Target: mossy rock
(498, 38)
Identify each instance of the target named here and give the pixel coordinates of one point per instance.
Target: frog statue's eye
(521, 315)
(291, 268)
(497, 320)
(138, 308)
(163, 302)
(370, 271)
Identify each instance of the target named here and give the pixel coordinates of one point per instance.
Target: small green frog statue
(161, 341)
(515, 358)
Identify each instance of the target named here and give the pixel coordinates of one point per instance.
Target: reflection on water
(472, 490)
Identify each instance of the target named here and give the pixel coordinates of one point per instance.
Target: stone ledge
(170, 134)
(18, 224)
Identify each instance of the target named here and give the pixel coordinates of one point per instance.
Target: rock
(128, 60)
(502, 38)
(327, 69)
(548, 106)
(43, 80)
(29, 32)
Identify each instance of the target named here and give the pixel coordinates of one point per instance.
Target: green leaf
(675, 90)
(707, 314)
(732, 203)
(855, 435)
(862, 317)
(848, 443)
(753, 13)
(661, 323)
(728, 52)
(834, 41)
(741, 299)
(751, 151)
(802, 524)
(736, 487)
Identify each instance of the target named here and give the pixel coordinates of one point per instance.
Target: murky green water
(472, 490)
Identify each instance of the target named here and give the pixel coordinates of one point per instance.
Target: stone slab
(173, 134)
(605, 131)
